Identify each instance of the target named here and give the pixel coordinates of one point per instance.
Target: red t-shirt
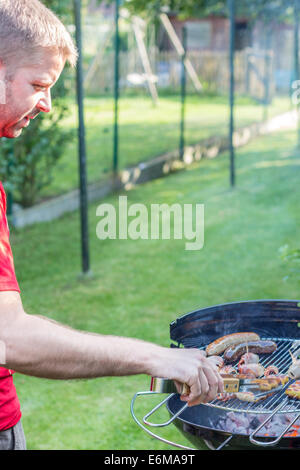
(10, 412)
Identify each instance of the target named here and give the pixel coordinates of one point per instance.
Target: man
(34, 47)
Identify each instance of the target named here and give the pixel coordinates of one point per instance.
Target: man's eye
(39, 87)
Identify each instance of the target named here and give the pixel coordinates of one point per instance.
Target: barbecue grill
(205, 425)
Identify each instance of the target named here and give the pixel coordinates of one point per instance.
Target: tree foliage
(265, 9)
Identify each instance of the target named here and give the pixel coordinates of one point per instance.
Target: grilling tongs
(232, 384)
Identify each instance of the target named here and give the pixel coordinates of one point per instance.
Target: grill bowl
(196, 424)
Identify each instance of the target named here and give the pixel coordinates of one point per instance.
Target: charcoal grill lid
(265, 317)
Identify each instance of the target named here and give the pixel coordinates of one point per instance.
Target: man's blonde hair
(27, 27)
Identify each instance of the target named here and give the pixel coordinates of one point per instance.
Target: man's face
(27, 92)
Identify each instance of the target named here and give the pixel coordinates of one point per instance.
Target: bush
(291, 256)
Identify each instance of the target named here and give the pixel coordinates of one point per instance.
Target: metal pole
(231, 5)
(296, 59)
(267, 60)
(182, 94)
(81, 145)
(116, 90)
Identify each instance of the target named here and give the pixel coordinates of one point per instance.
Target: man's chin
(11, 133)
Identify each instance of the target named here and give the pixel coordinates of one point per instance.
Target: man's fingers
(204, 382)
(206, 388)
(198, 390)
(220, 383)
(213, 383)
(178, 386)
(194, 390)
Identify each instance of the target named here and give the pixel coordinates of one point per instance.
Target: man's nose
(45, 104)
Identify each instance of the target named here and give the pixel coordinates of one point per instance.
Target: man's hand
(191, 367)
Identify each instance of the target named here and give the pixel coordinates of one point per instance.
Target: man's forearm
(43, 348)
(40, 347)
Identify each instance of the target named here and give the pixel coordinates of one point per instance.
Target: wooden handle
(185, 389)
(231, 384)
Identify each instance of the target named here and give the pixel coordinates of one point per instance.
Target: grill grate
(280, 358)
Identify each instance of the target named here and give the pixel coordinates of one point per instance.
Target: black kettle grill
(203, 425)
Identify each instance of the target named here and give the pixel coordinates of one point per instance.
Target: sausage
(219, 345)
(233, 353)
(245, 396)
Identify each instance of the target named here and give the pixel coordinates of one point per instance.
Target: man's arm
(40, 347)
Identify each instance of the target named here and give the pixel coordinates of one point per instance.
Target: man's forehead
(46, 78)
(47, 67)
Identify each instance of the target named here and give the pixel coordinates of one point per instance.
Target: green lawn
(140, 286)
(146, 131)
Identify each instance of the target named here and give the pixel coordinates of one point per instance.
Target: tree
(268, 9)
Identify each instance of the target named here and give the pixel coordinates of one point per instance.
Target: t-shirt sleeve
(8, 280)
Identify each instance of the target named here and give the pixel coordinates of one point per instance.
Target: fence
(252, 70)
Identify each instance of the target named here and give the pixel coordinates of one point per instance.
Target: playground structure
(137, 29)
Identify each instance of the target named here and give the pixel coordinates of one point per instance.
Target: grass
(146, 131)
(139, 287)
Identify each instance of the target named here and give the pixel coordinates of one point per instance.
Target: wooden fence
(254, 72)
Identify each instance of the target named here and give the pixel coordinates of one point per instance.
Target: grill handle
(166, 441)
(160, 385)
(274, 441)
(166, 423)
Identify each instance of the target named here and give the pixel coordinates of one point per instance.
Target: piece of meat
(246, 396)
(271, 370)
(273, 381)
(225, 396)
(293, 390)
(251, 370)
(249, 358)
(219, 345)
(234, 353)
(225, 370)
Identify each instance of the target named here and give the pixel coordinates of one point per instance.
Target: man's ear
(2, 70)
